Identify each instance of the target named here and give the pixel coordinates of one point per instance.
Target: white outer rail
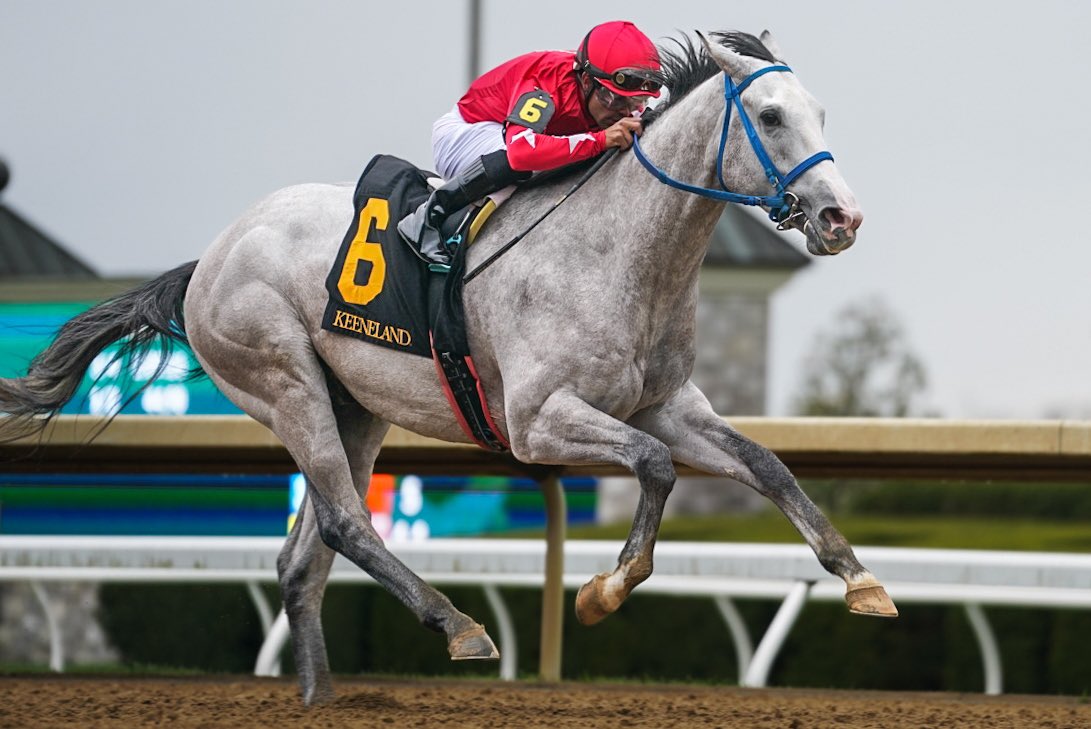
(790, 573)
(1040, 449)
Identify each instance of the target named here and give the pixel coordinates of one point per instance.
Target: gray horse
(583, 336)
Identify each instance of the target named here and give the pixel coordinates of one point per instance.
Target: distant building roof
(26, 252)
(740, 240)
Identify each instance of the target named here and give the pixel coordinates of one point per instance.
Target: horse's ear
(729, 62)
(770, 42)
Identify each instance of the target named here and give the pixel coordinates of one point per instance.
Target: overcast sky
(137, 130)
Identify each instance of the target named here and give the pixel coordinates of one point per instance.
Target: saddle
(382, 292)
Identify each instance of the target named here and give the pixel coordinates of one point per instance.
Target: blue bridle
(783, 206)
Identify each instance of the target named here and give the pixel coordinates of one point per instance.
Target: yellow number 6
(532, 110)
(376, 211)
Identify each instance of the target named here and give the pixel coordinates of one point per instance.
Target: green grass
(887, 531)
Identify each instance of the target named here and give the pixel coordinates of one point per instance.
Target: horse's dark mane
(745, 44)
(686, 66)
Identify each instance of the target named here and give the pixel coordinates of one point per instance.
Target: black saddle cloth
(378, 287)
(381, 291)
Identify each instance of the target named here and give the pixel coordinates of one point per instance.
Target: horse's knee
(653, 465)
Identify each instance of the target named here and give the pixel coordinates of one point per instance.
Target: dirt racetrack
(189, 703)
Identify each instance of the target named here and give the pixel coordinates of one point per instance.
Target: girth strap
(465, 395)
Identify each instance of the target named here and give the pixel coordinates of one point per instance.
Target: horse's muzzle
(835, 230)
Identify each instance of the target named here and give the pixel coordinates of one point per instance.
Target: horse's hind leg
(292, 399)
(698, 437)
(303, 566)
(304, 562)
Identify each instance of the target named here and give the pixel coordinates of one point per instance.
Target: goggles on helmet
(617, 102)
(627, 79)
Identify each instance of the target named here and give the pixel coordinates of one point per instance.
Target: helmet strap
(580, 74)
(581, 52)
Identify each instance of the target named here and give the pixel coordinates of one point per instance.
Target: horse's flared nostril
(842, 218)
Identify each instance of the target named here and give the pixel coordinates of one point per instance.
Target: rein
(783, 206)
(606, 157)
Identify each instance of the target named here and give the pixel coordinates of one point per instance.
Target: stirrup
(411, 227)
(457, 234)
(415, 232)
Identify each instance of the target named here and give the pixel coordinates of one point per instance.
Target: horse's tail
(147, 314)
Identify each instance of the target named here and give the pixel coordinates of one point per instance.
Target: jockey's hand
(620, 134)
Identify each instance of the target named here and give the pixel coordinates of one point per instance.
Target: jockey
(537, 112)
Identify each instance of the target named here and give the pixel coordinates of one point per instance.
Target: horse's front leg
(699, 438)
(566, 430)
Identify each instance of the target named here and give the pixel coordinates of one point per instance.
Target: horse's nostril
(835, 217)
(839, 218)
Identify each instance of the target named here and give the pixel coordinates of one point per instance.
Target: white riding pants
(456, 143)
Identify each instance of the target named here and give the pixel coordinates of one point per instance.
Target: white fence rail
(1054, 450)
(723, 572)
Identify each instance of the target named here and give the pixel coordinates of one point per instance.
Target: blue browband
(779, 208)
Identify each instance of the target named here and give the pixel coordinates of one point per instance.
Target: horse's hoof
(871, 600)
(319, 696)
(592, 602)
(473, 644)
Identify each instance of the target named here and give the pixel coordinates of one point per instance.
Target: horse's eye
(770, 118)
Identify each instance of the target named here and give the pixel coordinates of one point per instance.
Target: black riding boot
(487, 174)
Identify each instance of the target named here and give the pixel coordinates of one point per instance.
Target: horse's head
(788, 121)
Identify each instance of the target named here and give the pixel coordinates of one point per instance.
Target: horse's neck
(678, 225)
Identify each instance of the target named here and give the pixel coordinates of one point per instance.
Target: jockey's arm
(531, 151)
(530, 147)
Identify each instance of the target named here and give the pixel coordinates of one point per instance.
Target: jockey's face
(606, 107)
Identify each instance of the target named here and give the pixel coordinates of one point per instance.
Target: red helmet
(621, 58)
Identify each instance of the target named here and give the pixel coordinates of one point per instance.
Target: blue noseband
(781, 208)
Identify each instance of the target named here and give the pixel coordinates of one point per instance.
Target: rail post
(549, 664)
